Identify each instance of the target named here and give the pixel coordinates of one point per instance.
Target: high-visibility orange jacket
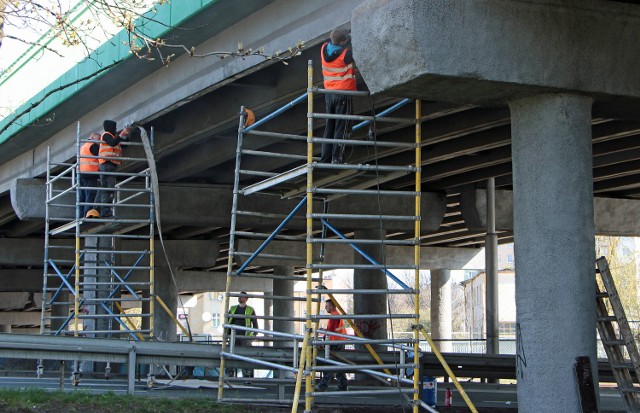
(338, 75)
(110, 153)
(88, 164)
(336, 325)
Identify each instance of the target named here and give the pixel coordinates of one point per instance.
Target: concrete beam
(13, 301)
(26, 252)
(30, 281)
(430, 257)
(20, 280)
(191, 205)
(20, 318)
(487, 52)
(616, 217)
(203, 281)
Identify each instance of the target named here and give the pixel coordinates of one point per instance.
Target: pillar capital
(483, 52)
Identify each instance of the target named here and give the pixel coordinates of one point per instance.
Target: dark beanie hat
(109, 126)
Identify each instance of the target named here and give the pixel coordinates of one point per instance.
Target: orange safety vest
(248, 322)
(109, 153)
(340, 328)
(338, 75)
(87, 164)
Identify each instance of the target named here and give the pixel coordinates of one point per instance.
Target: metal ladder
(310, 187)
(616, 337)
(98, 272)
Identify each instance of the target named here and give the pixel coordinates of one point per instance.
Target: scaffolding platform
(292, 183)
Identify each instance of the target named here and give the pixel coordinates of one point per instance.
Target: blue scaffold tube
(277, 112)
(383, 113)
(365, 255)
(272, 236)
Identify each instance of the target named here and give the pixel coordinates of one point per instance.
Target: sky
(36, 66)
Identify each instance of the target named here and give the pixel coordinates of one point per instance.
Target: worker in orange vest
(334, 325)
(110, 152)
(88, 174)
(339, 73)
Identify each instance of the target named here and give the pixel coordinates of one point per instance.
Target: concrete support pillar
(267, 310)
(91, 292)
(164, 327)
(5, 328)
(283, 308)
(58, 310)
(554, 248)
(441, 308)
(491, 281)
(370, 279)
(146, 307)
(103, 275)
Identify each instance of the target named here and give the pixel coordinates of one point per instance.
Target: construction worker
(338, 72)
(334, 325)
(110, 151)
(248, 321)
(88, 168)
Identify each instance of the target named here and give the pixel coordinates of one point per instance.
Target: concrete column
(282, 308)
(164, 327)
(491, 281)
(5, 328)
(441, 308)
(146, 307)
(58, 310)
(554, 248)
(91, 292)
(370, 279)
(103, 275)
(267, 310)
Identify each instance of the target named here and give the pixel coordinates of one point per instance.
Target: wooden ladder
(616, 338)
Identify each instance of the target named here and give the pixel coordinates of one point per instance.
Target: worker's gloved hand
(125, 133)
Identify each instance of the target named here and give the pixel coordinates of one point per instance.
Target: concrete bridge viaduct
(538, 96)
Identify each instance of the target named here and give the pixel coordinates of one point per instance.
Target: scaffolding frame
(301, 183)
(85, 258)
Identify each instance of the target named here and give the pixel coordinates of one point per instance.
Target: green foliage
(623, 263)
(41, 401)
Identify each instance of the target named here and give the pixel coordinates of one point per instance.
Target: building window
(507, 328)
(510, 259)
(215, 320)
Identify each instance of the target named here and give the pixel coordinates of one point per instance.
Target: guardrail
(131, 353)
(127, 352)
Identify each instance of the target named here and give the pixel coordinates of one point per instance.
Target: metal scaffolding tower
(313, 187)
(98, 272)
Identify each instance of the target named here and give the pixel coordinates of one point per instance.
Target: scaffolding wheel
(151, 381)
(75, 378)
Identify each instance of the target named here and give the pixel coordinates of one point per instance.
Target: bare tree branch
(3, 6)
(44, 46)
(33, 105)
(73, 28)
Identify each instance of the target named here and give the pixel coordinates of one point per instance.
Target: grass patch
(41, 401)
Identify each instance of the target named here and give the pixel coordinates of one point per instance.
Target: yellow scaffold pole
(416, 255)
(308, 324)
